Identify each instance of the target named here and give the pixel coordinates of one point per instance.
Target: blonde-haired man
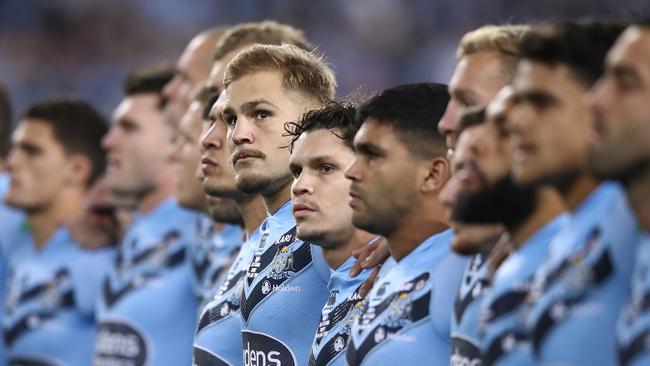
(286, 282)
(487, 60)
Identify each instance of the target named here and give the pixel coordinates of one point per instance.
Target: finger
(367, 285)
(355, 269)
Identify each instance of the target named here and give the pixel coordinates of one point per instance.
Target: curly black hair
(335, 115)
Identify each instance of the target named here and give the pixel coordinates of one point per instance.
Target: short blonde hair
(265, 32)
(498, 38)
(503, 39)
(302, 71)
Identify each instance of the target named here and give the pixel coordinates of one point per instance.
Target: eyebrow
(624, 70)
(28, 146)
(251, 105)
(126, 122)
(317, 160)
(368, 148)
(466, 96)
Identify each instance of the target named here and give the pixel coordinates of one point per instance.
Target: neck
(637, 193)
(338, 254)
(413, 229)
(579, 190)
(252, 211)
(549, 206)
(44, 223)
(164, 189)
(276, 199)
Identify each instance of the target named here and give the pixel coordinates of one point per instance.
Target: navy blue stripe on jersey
(560, 309)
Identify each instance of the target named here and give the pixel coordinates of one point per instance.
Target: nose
(170, 91)
(12, 159)
(210, 139)
(109, 140)
(598, 96)
(353, 171)
(448, 124)
(449, 193)
(301, 186)
(241, 133)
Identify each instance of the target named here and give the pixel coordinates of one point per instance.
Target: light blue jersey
(405, 320)
(212, 255)
(579, 291)
(503, 333)
(49, 309)
(333, 330)
(465, 316)
(634, 322)
(218, 334)
(11, 221)
(147, 311)
(284, 291)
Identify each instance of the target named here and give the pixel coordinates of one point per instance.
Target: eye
(262, 115)
(230, 121)
(327, 168)
(295, 171)
(626, 84)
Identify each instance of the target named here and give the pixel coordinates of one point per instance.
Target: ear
(438, 173)
(79, 169)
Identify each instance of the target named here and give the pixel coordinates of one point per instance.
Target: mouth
(246, 155)
(208, 164)
(112, 162)
(354, 198)
(301, 210)
(598, 131)
(523, 151)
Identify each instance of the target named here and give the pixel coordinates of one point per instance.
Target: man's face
(215, 78)
(385, 179)
(483, 161)
(549, 123)
(320, 189)
(38, 166)
(187, 156)
(216, 168)
(257, 107)
(192, 69)
(619, 145)
(477, 79)
(139, 145)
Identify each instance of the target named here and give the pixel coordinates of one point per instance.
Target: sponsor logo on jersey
(263, 350)
(119, 344)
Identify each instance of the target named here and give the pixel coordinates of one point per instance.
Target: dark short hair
(413, 111)
(472, 116)
(149, 79)
(335, 115)
(581, 46)
(5, 122)
(77, 126)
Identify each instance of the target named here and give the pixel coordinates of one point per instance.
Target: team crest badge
(282, 263)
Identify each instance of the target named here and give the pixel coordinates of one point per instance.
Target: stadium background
(85, 47)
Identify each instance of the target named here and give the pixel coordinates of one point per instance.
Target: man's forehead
(633, 48)
(315, 140)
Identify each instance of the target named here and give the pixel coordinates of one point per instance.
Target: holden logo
(263, 350)
(119, 344)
